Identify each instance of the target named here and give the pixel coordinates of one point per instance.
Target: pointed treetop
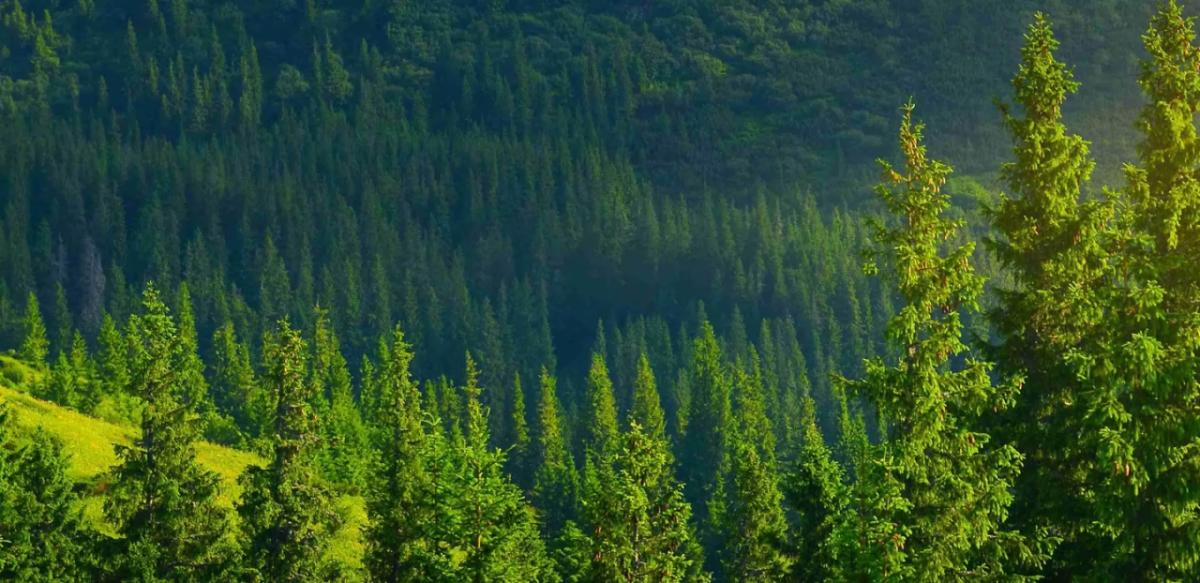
(647, 404)
(602, 407)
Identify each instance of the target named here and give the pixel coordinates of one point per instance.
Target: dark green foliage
(602, 196)
(162, 503)
(43, 536)
(286, 510)
(756, 530)
(35, 349)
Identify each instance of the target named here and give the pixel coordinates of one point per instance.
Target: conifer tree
(1142, 402)
(35, 349)
(644, 532)
(113, 368)
(705, 455)
(499, 534)
(816, 493)
(601, 430)
(192, 372)
(647, 403)
(519, 442)
(41, 535)
(952, 487)
(556, 485)
(399, 501)
(345, 450)
(162, 502)
(755, 526)
(236, 391)
(287, 513)
(1054, 245)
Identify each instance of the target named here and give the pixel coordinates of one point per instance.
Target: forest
(582, 291)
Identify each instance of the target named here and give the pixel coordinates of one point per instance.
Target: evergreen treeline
(592, 378)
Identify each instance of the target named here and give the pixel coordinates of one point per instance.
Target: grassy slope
(91, 442)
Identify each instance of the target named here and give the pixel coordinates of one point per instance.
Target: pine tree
(1143, 390)
(192, 372)
(235, 390)
(1054, 245)
(755, 526)
(706, 440)
(162, 503)
(287, 513)
(601, 431)
(345, 449)
(399, 502)
(953, 487)
(816, 492)
(35, 349)
(40, 527)
(519, 441)
(556, 485)
(644, 531)
(499, 534)
(114, 370)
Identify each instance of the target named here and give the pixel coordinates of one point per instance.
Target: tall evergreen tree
(35, 349)
(1144, 395)
(499, 534)
(344, 454)
(1054, 245)
(706, 439)
(287, 513)
(519, 442)
(644, 532)
(398, 502)
(816, 493)
(556, 486)
(162, 502)
(952, 487)
(755, 526)
(42, 537)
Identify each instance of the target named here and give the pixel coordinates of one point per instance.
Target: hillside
(90, 443)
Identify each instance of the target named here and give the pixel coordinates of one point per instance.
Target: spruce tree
(35, 348)
(345, 449)
(815, 491)
(519, 442)
(953, 486)
(42, 537)
(113, 367)
(1054, 246)
(498, 531)
(601, 429)
(1142, 402)
(556, 485)
(706, 439)
(162, 503)
(644, 532)
(287, 513)
(755, 527)
(399, 501)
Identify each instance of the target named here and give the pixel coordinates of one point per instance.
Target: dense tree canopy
(273, 230)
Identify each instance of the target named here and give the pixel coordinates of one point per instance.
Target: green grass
(91, 442)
